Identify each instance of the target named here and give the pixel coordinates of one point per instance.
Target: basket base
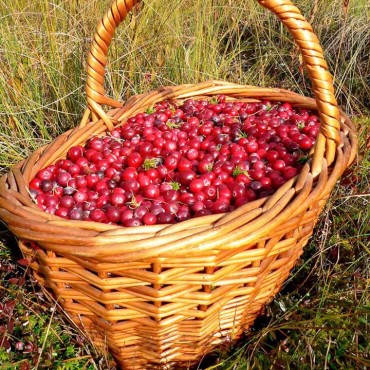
(178, 343)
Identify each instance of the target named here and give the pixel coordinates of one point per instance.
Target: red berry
(75, 152)
(45, 174)
(46, 185)
(97, 215)
(75, 214)
(151, 191)
(113, 214)
(135, 160)
(129, 173)
(196, 185)
(150, 219)
(305, 143)
(62, 178)
(278, 165)
(178, 162)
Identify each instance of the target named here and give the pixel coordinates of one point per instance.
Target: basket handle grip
(293, 20)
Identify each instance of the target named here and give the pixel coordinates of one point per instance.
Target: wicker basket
(162, 296)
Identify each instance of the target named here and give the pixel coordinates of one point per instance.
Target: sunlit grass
(43, 46)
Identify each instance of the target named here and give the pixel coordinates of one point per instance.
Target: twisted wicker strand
(97, 60)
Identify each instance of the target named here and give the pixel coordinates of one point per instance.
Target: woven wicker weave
(164, 295)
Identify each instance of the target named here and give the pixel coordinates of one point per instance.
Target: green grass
(321, 318)
(43, 46)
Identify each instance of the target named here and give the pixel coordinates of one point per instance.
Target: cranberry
(75, 152)
(178, 162)
(183, 214)
(152, 173)
(162, 171)
(131, 186)
(45, 174)
(265, 182)
(135, 160)
(51, 200)
(35, 183)
(68, 190)
(196, 185)
(96, 144)
(80, 197)
(149, 219)
(113, 214)
(75, 214)
(46, 185)
(133, 222)
(140, 212)
(102, 201)
(289, 172)
(62, 212)
(171, 163)
(187, 176)
(151, 191)
(184, 164)
(126, 214)
(305, 143)
(165, 218)
(129, 174)
(238, 190)
(62, 178)
(66, 201)
(251, 147)
(220, 206)
(156, 209)
(278, 165)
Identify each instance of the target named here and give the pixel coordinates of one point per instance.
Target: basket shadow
(10, 242)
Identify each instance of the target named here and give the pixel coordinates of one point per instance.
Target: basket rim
(28, 222)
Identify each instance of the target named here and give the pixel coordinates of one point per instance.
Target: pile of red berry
(175, 162)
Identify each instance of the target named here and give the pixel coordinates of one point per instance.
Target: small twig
(326, 355)
(46, 336)
(354, 196)
(77, 358)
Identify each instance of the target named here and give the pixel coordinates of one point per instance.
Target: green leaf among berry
(175, 185)
(151, 163)
(241, 134)
(238, 171)
(214, 100)
(172, 124)
(304, 159)
(150, 109)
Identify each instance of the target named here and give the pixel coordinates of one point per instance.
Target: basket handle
(97, 60)
(289, 15)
